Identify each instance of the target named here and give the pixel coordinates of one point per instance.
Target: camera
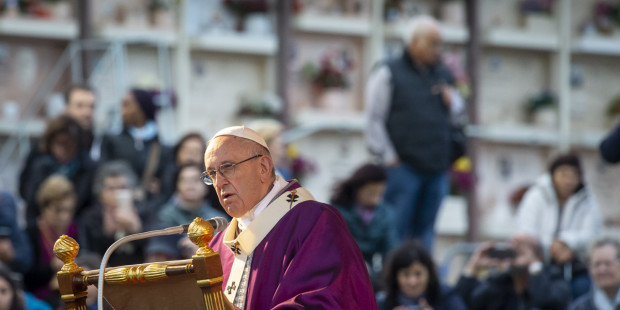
(502, 252)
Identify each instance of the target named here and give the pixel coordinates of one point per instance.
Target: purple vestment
(309, 260)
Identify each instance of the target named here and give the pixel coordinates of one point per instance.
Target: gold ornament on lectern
(200, 232)
(66, 249)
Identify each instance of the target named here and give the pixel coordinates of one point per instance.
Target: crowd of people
(136, 184)
(412, 103)
(380, 228)
(556, 258)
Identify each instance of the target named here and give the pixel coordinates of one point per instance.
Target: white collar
(602, 302)
(245, 220)
(146, 132)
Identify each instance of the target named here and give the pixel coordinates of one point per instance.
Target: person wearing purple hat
(138, 144)
(282, 249)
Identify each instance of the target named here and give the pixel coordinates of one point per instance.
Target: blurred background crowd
(497, 189)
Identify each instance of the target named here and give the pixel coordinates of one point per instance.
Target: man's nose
(220, 180)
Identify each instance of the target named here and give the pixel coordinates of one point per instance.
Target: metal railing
(109, 79)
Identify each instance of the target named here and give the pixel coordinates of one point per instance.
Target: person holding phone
(518, 279)
(114, 216)
(411, 282)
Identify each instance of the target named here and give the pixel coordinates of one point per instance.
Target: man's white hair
(418, 27)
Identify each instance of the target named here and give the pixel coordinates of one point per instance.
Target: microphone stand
(218, 224)
(161, 232)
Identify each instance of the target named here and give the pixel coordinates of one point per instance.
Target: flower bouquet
(331, 72)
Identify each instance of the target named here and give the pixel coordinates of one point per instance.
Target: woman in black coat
(61, 153)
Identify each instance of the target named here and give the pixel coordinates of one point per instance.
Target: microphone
(219, 223)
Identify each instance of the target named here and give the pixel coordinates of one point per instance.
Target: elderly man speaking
(282, 249)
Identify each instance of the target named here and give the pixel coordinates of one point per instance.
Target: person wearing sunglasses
(282, 248)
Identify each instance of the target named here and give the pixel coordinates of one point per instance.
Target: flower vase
(546, 118)
(61, 11)
(163, 19)
(453, 13)
(539, 23)
(336, 100)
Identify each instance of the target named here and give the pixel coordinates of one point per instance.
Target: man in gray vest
(409, 102)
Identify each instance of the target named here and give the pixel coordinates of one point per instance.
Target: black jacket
(449, 299)
(610, 147)
(92, 238)
(26, 170)
(124, 147)
(80, 172)
(585, 302)
(546, 290)
(418, 122)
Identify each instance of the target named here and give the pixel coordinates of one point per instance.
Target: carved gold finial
(200, 232)
(66, 249)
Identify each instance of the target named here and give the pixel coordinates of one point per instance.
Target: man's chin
(606, 284)
(233, 210)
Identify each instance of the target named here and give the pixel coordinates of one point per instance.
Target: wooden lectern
(194, 283)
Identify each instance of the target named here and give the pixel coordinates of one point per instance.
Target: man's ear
(266, 168)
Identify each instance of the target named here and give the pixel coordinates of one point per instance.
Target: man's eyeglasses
(225, 170)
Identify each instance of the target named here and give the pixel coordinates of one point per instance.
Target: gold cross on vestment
(292, 197)
(231, 287)
(235, 248)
